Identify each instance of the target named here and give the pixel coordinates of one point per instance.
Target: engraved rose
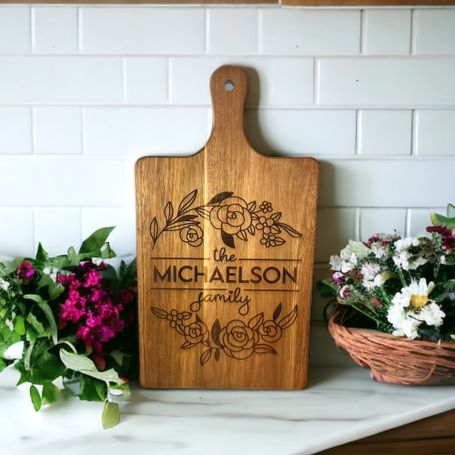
(270, 331)
(196, 332)
(192, 235)
(238, 340)
(231, 216)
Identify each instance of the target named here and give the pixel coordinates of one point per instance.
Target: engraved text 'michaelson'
(228, 274)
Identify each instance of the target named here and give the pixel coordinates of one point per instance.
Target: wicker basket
(393, 359)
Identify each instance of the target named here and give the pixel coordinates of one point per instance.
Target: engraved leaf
(216, 329)
(168, 211)
(178, 226)
(184, 218)
(279, 241)
(256, 321)
(203, 212)
(276, 216)
(180, 329)
(277, 312)
(275, 229)
(217, 355)
(242, 235)
(289, 319)
(186, 202)
(264, 349)
(187, 345)
(205, 356)
(251, 206)
(220, 197)
(186, 315)
(154, 229)
(159, 313)
(291, 231)
(228, 239)
(251, 229)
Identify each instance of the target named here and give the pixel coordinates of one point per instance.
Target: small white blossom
(97, 261)
(52, 272)
(335, 263)
(406, 243)
(4, 285)
(14, 351)
(378, 249)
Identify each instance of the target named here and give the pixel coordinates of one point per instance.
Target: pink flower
(25, 271)
(92, 278)
(337, 277)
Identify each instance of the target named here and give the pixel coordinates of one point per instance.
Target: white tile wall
(14, 29)
(386, 32)
(434, 132)
(84, 90)
(55, 30)
(383, 132)
(434, 32)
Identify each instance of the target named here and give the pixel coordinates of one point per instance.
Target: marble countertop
(339, 405)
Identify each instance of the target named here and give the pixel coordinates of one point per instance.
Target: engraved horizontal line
(271, 290)
(269, 259)
(179, 258)
(189, 289)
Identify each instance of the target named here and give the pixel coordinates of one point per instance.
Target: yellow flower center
(418, 301)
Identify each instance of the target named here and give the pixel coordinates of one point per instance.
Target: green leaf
(111, 415)
(19, 325)
(3, 365)
(73, 257)
(51, 393)
(451, 211)
(33, 321)
(438, 220)
(81, 363)
(36, 398)
(41, 254)
(92, 389)
(95, 241)
(48, 313)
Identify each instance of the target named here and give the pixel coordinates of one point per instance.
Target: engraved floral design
(232, 215)
(238, 340)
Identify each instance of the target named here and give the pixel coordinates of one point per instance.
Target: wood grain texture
(367, 2)
(239, 228)
(434, 435)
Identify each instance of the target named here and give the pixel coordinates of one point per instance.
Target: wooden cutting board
(225, 246)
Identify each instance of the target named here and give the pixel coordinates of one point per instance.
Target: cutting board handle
(229, 88)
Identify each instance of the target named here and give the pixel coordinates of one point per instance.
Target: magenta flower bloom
(337, 277)
(25, 271)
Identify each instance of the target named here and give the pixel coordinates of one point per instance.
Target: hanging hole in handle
(229, 86)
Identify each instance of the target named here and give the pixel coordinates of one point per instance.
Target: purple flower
(25, 271)
(337, 277)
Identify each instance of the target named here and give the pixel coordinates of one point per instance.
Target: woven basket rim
(343, 313)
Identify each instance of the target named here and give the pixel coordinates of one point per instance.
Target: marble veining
(340, 405)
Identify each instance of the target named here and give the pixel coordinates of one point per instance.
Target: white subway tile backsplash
(123, 237)
(57, 229)
(381, 221)
(386, 183)
(434, 31)
(434, 132)
(232, 31)
(135, 132)
(419, 220)
(55, 29)
(15, 130)
(323, 350)
(321, 272)
(14, 29)
(302, 132)
(60, 80)
(68, 182)
(336, 226)
(281, 81)
(146, 80)
(386, 32)
(58, 130)
(386, 81)
(382, 132)
(16, 231)
(142, 30)
(310, 32)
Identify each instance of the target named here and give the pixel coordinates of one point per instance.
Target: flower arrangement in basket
(67, 324)
(395, 304)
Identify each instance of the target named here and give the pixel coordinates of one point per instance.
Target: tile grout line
(79, 30)
(259, 30)
(413, 132)
(362, 32)
(412, 33)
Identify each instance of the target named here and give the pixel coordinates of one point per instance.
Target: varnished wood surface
(259, 340)
(432, 436)
(311, 3)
